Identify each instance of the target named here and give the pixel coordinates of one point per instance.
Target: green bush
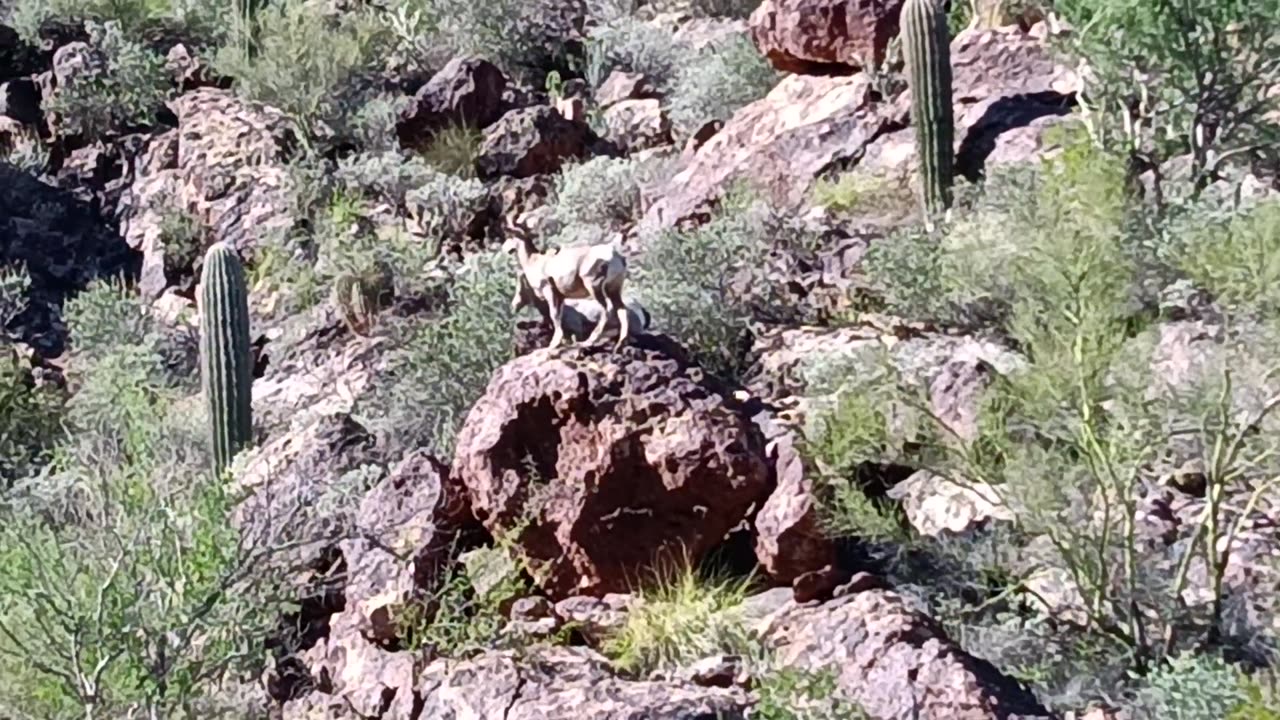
(124, 94)
(204, 21)
(128, 591)
(696, 284)
(681, 618)
(787, 694)
(717, 81)
(441, 367)
(1191, 687)
(1237, 259)
(601, 191)
(631, 45)
(317, 70)
(1170, 77)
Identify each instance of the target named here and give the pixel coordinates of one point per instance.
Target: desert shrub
(386, 176)
(441, 367)
(682, 617)
(121, 95)
(718, 80)
(790, 694)
(706, 8)
(692, 281)
(1169, 77)
(1191, 687)
(30, 420)
(629, 44)
(601, 191)
(128, 590)
(453, 151)
(200, 20)
(317, 70)
(373, 124)
(1236, 258)
(14, 285)
(905, 271)
(856, 193)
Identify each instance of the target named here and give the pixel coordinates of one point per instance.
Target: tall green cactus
(226, 363)
(927, 44)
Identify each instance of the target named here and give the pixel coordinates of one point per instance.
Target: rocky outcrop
(635, 125)
(405, 534)
(62, 244)
(532, 141)
(824, 36)
(467, 91)
(790, 538)
(224, 167)
(1008, 89)
(563, 683)
(896, 663)
(616, 460)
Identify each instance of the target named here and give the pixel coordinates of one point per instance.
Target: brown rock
(622, 85)
(806, 36)
(790, 540)
(371, 681)
(466, 91)
(552, 683)
(532, 141)
(1008, 90)
(895, 662)
(638, 124)
(819, 584)
(617, 460)
(405, 529)
(595, 618)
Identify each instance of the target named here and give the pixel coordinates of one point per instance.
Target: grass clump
(683, 617)
(454, 150)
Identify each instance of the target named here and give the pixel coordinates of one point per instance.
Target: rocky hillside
(935, 405)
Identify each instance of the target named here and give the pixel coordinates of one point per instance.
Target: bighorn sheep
(579, 272)
(579, 317)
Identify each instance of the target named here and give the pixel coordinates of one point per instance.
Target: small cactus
(226, 363)
(359, 297)
(927, 44)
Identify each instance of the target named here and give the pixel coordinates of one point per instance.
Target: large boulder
(532, 141)
(635, 125)
(563, 684)
(893, 661)
(790, 538)
(224, 168)
(822, 36)
(616, 461)
(1008, 90)
(467, 91)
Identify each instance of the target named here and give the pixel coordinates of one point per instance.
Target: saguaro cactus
(927, 44)
(226, 363)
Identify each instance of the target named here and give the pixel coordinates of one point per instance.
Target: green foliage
(626, 43)
(136, 18)
(789, 694)
(15, 283)
(453, 151)
(25, 151)
(715, 82)
(691, 281)
(30, 419)
(1191, 687)
(601, 191)
(927, 46)
(1172, 77)
(127, 590)
(682, 617)
(121, 95)
(183, 237)
(1262, 700)
(315, 69)
(858, 194)
(1237, 258)
(905, 270)
(465, 611)
(442, 366)
(226, 359)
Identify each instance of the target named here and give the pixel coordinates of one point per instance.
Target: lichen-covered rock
(224, 168)
(618, 460)
(531, 141)
(824, 35)
(635, 125)
(896, 663)
(405, 532)
(563, 684)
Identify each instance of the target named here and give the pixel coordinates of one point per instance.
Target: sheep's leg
(624, 319)
(606, 306)
(555, 305)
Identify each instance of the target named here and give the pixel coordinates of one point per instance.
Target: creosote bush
(715, 82)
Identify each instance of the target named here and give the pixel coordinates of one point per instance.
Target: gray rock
(532, 141)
